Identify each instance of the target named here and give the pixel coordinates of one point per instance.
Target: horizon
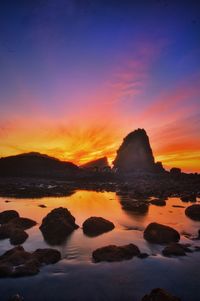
(78, 76)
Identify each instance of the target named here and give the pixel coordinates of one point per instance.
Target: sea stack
(135, 154)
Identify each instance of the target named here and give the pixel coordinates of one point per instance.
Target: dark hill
(98, 163)
(36, 165)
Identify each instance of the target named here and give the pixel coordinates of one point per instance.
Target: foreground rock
(189, 198)
(161, 234)
(14, 229)
(7, 216)
(140, 207)
(193, 212)
(57, 225)
(113, 253)
(158, 294)
(17, 262)
(158, 202)
(94, 226)
(176, 249)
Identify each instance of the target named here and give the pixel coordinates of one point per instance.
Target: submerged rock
(158, 202)
(94, 226)
(140, 207)
(176, 249)
(17, 262)
(7, 216)
(161, 234)
(57, 225)
(158, 294)
(193, 212)
(113, 253)
(16, 234)
(22, 222)
(189, 198)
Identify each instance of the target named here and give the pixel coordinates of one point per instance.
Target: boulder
(140, 207)
(18, 236)
(189, 198)
(94, 226)
(193, 212)
(113, 253)
(47, 256)
(22, 222)
(7, 216)
(176, 249)
(158, 202)
(158, 294)
(57, 225)
(17, 262)
(161, 234)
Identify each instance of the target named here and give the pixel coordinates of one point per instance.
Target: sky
(76, 76)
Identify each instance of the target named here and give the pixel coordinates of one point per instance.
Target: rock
(7, 216)
(22, 222)
(94, 226)
(178, 206)
(113, 253)
(140, 207)
(193, 212)
(16, 297)
(42, 206)
(17, 262)
(158, 202)
(18, 236)
(57, 225)
(96, 165)
(135, 153)
(189, 198)
(47, 256)
(175, 172)
(158, 294)
(176, 249)
(161, 234)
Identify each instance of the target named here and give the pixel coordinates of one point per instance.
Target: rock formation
(100, 163)
(135, 154)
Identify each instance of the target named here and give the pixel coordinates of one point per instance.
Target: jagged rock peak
(98, 163)
(135, 153)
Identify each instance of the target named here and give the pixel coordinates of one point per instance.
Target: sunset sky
(76, 76)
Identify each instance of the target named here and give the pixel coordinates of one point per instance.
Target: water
(76, 277)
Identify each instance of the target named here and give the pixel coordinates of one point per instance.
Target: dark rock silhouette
(158, 202)
(135, 154)
(189, 198)
(6, 216)
(17, 262)
(158, 294)
(57, 225)
(99, 164)
(36, 165)
(113, 253)
(94, 226)
(140, 207)
(193, 212)
(176, 249)
(161, 234)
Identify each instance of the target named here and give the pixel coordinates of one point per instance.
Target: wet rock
(17, 262)
(189, 198)
(161, 234)
(113, 253)
(57, 225)
(193, 212)
(140, 207)
(7, 216)
(42, 206)
(18, 236)
(94, 226)
(176, 249)
(178, 206)
(16, 297)
(22, 222)
(47, 256)
(158, 202)
(158, 294)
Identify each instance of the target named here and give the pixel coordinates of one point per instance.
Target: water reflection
(84, 204)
